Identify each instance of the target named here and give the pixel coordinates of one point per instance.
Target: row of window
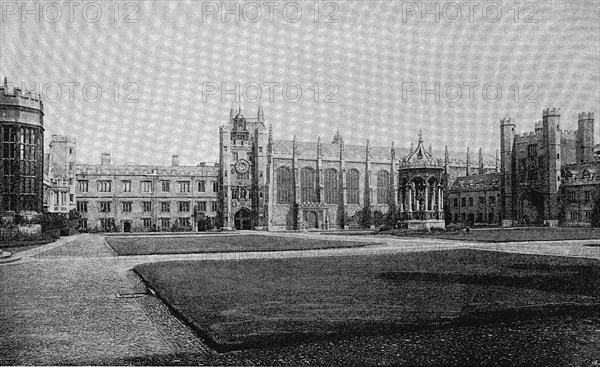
(470, 218)
(331, 185)
(470, 201)
(165, 206)
(146, 186)
(574, 196)
(580, 215)
(106, 224)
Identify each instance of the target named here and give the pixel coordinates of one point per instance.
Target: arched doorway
(312, 219)
(243, 219)
(532, 207)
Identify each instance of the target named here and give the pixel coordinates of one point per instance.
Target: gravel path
(75, 302)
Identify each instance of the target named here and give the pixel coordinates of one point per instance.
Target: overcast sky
(367, 59)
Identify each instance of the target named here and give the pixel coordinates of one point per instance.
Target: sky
(166, 70)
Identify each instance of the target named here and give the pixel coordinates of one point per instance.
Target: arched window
(308, 185)
(331, 186)
(352, 186)
(284, 185)
(383, 187)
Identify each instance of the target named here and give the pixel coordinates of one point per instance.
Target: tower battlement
(62, 139)
(551, 112)
(16, 97)
(506, 121)
(585, 116)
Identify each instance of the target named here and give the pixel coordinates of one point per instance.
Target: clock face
(242, 166)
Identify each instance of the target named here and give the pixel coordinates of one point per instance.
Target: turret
(584, 146)
(552, 150)
(261, 115)
(270, 142)
(507, 138)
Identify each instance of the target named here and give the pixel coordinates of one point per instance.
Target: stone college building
(547, 176)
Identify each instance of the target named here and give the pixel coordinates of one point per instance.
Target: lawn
(125, 246)
(19, 246)
(508, 234)
(260, 303)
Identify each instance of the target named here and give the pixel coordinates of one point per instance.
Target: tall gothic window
(308, 185)
(331, 186)
(352, 186)
(383, 187)
(284, 185)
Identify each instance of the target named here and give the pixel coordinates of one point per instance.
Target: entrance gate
(243, 219)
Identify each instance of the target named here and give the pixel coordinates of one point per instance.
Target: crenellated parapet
(550, 112)
(15, 97)
(63, 139)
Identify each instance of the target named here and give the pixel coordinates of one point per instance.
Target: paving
(76, 302)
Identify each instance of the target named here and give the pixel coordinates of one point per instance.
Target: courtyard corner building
(22, 152)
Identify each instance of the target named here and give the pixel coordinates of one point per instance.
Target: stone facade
(59, 175)
(288, 184)
(543, 176)
(142, 198)
(475, 199)
(532, 173)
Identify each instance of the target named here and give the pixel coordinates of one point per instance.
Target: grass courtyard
(126, 246)
(509, 234)
(264, 303)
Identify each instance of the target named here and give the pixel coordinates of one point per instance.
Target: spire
(411, 147)
(420, 136)
(446, 160)
(270, 134)
(337, 139)
(368, 145)
(318, 146)
(240, 109)
(497, 167)
(480, 161)
(467, 161)
(261, 116)
(231, 113)
(430, 149)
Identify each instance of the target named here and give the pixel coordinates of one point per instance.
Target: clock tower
(242, 175)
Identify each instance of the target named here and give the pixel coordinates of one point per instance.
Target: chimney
(105, 159)
(175, 160)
